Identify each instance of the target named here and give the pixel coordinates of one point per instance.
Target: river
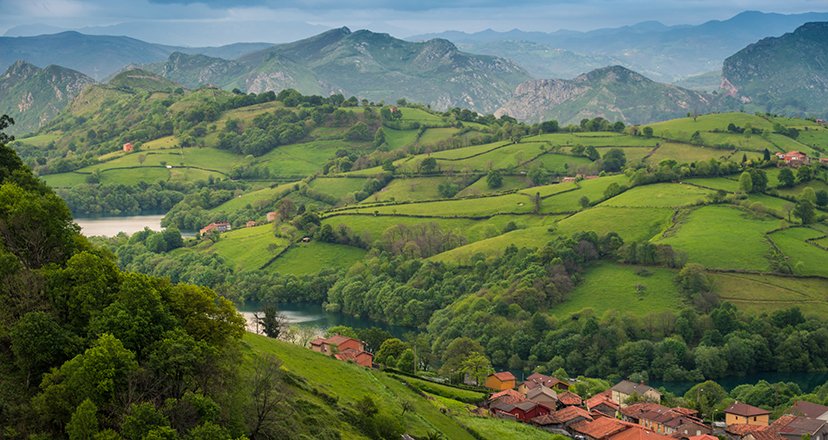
(112, 226)
(315, 317)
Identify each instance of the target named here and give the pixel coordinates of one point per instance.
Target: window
(754, 418)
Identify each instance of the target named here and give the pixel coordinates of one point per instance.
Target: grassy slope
(248, 248)
(758, 293)
(310, 258)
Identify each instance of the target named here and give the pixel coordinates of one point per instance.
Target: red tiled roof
(537, 379)
(504, 376)
(703, 437)
(685, 411)
(571, 413)
(569, 398)
(638, 433)
(510, 395)
(338, 339)
(600, 427)
(807, 409)
(744, 429)
(745, 410)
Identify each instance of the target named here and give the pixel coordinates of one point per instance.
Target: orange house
(344, 348)
(501, 381)
(744, 414)
(128, 147)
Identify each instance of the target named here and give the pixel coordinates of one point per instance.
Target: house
(679, 422)
(625, 389)
(639, 433)
(536, 380)
(343, 348)
(568, 398)
(128, 147)
(272, 216)
(506, 396)
(503, 380)
(602, 403)
(755, 432)
(558, 421)
(215, 227)
(793, 158)
(803, 427)
(544, 396)
(809, 410)
(250, 224)
(599, 429)
(521, 411)
(744, 414)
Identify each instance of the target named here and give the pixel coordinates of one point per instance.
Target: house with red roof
(663, 420)
(639, 433)
(215, 227)
(128, 147)
(568, 398)
(559, 421)
(521, 411)
(744, 414)
(343, 348)
(545, 396)
(506, 396)
(537, 380)
(793, 158)
(503, 380)
(602, 403)
(599, 429)
(810, 410)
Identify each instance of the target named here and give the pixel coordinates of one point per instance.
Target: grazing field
(546, 191)
(722, 183)
(466, 152)
(41, 140)
(660, 195)
(254, 199)
(411, 114)
(347, 381)
(509, 156)
(131, 176)
(804, 258)
(206, 158)
(633, 154)
(688, 153)
(724, 238)
(408, 189)
(560, 163)
(475, 207)
(634, 290)
(490, 428)
(164, 143)
(302, 159)
(399, 138)
(594, 139)
(711, 122)
(481, 186)
(532, 237)
(432, 136)
(310, 258)
(446, 391)
(762, 293)
(248, 248)
(337, 187)
(816, 185)
(570, 201)
(64, 180)
(632, 224)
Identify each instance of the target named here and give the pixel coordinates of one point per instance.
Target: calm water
(111, 226)
(314, 316)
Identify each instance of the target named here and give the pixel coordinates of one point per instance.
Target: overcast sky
(212, 22)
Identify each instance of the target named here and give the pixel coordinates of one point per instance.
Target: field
(481, 186)
(434, 135)
(310, 258)
(254, 198)
(632, 224)
(660, 195)
(805, 258)
(708, 237)
(628, 289)
(399, 138)
(688, 153)
(476, 207)
(164, 143)
(758, 293)
(301, 159)
(633, 154)
(409, 189)
(710, 122)
(339, 188)
(349, 383)
(560, 163)
(248, 248)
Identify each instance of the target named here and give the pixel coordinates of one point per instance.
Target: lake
(314, 316)
(112, 226)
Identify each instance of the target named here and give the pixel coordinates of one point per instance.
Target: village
(626, 411)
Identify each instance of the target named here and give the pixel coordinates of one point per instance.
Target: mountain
(615, 93)
(369, 65)
(666, 53)
(788, 74)
(33, 96)
(140, 79)
(101, 55)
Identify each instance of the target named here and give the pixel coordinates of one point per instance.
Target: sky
(216, 22)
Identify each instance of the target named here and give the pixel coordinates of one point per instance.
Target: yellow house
(501, 381)
(744, 414)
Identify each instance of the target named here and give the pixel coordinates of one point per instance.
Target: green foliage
(494, 179)
(614, 160)
(391, 348)
(84, 422)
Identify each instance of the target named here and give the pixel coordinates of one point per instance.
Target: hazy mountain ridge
(786, 74)
(365, 64)
(615, 93)
(33, 96)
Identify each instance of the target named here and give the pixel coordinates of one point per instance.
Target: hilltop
(785, 74)
(613, 92)
(369, 65)
(33, 96)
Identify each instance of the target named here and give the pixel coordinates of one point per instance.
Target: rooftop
(745, 410)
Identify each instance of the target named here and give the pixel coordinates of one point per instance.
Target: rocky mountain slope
(365, 64)
(33, 96)
(615, 93)
(788, 74)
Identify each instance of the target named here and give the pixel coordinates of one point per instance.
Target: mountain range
(366, 64)
(787, 75)
(664, 53)
(615, 93)
(33, 96)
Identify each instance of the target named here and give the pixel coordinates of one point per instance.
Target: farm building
(536, 380)
(501, 381)
(128, 147)
(343, 348)
(272, 216)
(793, 158)
(744, 414)
(215, 227)
(624, 389)
(250, 224)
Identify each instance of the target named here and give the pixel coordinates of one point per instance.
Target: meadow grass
(532, 237)
(633, 154)
(717, 121)
(465, 152)
(64, 180)
(686, 153)
(302, 159)
(399, 138)
(131, 176)
(602, 139)
(805, 258)
(481, 186)
(310, 258)
(248, 248)
(609, 286)
(550, 190)
(40, 140)
(490, 428)
(560, 163)
(764, 293)
(192, 175)
(816, 185)
(411, 114)
(660, 195)
(723, 237)
(408, 189)
(592, 189)
(722, 183)
(349, 383)
(254, 199)
(446, 391)
(337, 187)
(434, 135)
(475, 207)
(162, 143)
(632, 224)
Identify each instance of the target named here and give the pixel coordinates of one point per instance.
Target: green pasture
(64, 180)
(399, 138)
(561, 163)
(131, 176)
(247, 248)
(408, 189)
(592, 189)
(686, 153)
(632, 224)
(718, 183)
(254, 199)
(660, 195)
(481, 186)
(633, 154)
(490, 428)
(805, 258)
(41, 140)
(310, 258)
(163, 143)
(723, 237)
(765, 293)
(550, 190)
(796, 191)
(411, 114)
(302, 159)
(593, 139)
(532, 237)
(466, 152)
(433, 136)
(633, 290)
(337, 187)
(476, 207)
(716, 121)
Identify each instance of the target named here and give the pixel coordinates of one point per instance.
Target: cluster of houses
(548, 403)
(344, 348)
(215, 227)
(796, 159)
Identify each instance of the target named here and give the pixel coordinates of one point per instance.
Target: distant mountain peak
(614, 73)
(21, 68)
